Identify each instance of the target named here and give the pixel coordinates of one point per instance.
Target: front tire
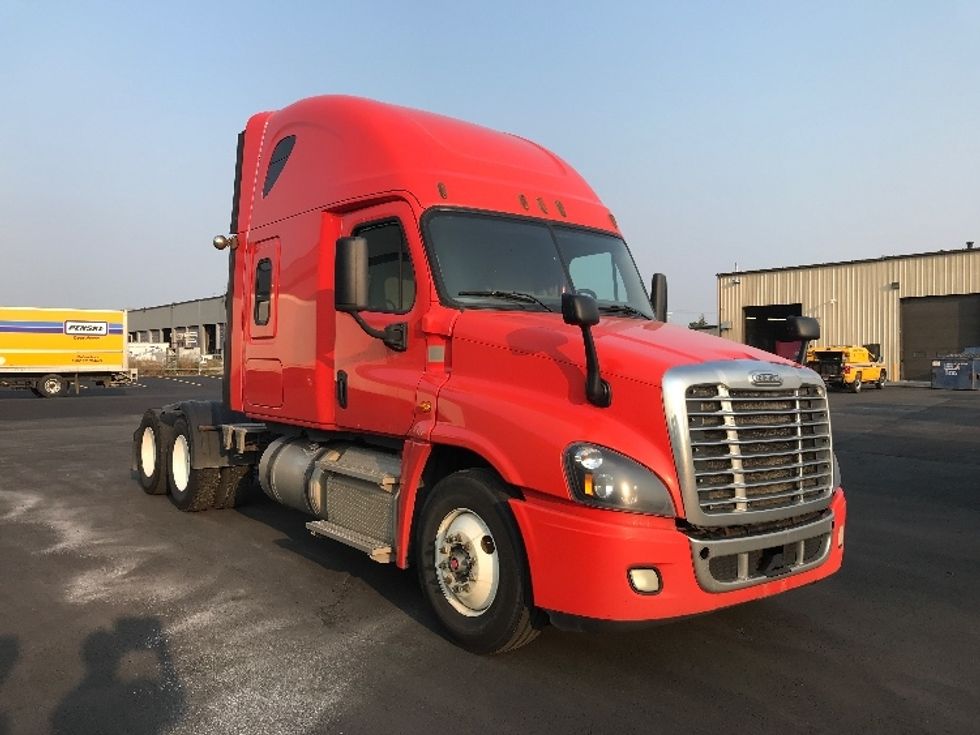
(472, 565)
(882, 378)
(191, 489)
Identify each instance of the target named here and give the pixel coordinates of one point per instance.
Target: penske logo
(94, 329)
(765, 378)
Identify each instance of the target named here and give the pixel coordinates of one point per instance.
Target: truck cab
(441, 350)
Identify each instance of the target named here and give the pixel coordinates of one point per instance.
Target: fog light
(840, 537)
(645, 581)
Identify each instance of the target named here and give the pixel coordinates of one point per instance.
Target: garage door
(934, 326)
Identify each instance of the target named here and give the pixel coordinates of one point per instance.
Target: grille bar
(774, 412)
(725, 443)
(747, 470)
(770, 496)
(761, 426)
(776, 396)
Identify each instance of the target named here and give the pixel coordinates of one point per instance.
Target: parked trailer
(440, 349)
(51, 351)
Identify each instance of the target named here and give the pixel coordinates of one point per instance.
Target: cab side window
(391, 278)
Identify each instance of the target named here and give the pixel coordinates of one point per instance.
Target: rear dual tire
(149, 451)
(163, 460)
(191, 489)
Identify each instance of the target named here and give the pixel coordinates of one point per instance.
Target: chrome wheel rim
(467, 565)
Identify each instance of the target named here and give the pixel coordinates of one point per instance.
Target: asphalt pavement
(120, 614)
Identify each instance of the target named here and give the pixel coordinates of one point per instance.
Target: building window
(391, 278)
(280, 154)
(263, 291)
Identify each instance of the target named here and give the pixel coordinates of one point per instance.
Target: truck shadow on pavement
(9, 653)
(397, 586)
(130, 683)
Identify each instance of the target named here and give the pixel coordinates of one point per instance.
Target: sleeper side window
(391, 278)
(263, 291)
(280, 154)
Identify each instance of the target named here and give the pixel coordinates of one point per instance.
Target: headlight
(837, 480)
(607, 479)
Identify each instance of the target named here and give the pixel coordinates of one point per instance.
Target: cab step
(377, 549)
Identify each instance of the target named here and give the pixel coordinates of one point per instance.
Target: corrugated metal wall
(855, 303)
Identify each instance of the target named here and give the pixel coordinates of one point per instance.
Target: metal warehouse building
(916, 307)
(191, 324)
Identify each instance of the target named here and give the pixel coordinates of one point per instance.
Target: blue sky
(765, 134)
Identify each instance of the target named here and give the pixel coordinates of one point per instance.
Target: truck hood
(634, 349)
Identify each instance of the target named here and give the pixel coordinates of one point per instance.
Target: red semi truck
(440, 349)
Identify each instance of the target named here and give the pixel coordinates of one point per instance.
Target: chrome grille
(758, 449)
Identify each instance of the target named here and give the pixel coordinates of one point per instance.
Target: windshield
(494, 262)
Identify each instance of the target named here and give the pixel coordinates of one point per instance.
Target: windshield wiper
(622, 309)
(508, 296)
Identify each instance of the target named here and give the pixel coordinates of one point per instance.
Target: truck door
(263, 368)
(375, 386)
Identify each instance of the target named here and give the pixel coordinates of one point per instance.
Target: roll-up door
(934, 326)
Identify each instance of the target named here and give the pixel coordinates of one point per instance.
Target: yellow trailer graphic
(48, 349)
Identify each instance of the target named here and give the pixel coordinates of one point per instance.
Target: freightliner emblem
(762, 378)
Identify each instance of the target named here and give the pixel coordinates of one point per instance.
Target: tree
(701, 323)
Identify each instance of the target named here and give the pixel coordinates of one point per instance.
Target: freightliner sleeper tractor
(439, 348)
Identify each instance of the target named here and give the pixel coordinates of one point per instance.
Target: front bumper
(580, 558)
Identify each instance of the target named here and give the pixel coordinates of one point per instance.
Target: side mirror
(350, 291)
(803, 328)
(579, 309)
(658, 296)
(351, 274)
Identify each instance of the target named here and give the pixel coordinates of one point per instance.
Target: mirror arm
(395, 336)
(801, 355)
(597, 391)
